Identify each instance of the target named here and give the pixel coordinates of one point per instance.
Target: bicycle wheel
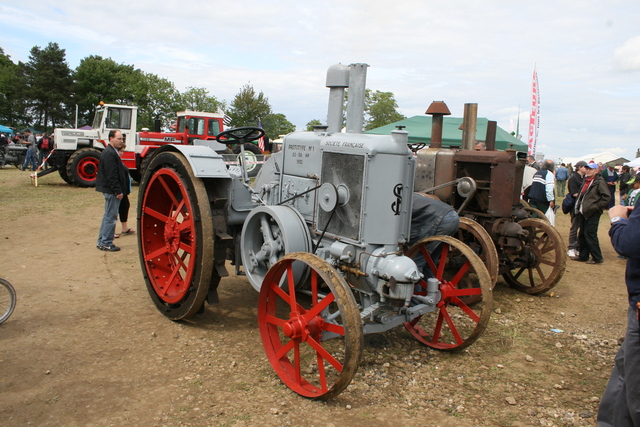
(7, 300)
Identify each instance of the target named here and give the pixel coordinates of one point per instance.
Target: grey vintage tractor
(321, 234)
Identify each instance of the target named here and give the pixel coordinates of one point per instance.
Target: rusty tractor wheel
(82, 167)
(175, 238)
(464, 280)
(478, 239)
(540, 263)
(536, 213)
(312, 336)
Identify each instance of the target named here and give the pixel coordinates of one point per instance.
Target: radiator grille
(348, 170)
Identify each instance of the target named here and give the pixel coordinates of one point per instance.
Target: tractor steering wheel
(240, 135)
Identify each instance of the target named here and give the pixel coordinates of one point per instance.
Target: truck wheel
(252, 155)
(176, 236)
(64, 176)
(82, 167)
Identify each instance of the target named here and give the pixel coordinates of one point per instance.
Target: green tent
(419, 128)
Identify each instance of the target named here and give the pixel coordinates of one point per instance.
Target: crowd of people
(39, 147)
(589, 189)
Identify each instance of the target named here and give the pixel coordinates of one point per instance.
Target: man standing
(625, 177)
(541, 193)
(575, 185)
(32, 151)
(112, 182)
(593, 199)
(562, 175)
(620, 404)
(611, 178)
(531, 161)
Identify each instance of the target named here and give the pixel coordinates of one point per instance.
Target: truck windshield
(118, 118)
(196, 126)
(214, 127)
(181, 125)
(97, 120)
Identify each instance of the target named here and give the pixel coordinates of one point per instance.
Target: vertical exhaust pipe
(355, 106)
(437, 110)
(337, 81)
(490, 141)
(469, 126)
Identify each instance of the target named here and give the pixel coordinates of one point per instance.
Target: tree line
(44, 93)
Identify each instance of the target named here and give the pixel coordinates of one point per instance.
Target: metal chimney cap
(438, 107)
(338, 76)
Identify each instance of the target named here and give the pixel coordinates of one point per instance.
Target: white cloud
(627, 56)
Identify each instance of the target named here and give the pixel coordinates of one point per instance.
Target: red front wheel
(465, 299)
(312, 335)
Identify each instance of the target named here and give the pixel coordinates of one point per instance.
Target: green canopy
(419, 128)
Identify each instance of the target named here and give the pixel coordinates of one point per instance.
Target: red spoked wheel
(175, 236)
(313, 338)
(455, 324)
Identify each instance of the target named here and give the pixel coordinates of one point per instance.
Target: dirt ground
(87, 347)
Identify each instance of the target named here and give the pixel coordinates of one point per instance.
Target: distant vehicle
(77, 151)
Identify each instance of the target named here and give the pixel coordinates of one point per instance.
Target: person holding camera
(620, 403)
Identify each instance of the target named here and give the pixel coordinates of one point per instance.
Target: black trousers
(588, 237)
(124, 208)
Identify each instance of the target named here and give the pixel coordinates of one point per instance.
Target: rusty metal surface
(497, 177)
(435, 166)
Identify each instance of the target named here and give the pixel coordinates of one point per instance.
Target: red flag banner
(533, 118)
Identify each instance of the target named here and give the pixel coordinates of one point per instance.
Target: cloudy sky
(586, 53)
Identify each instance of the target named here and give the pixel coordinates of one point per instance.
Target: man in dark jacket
(620, 404)
(541, 194)
(574, 186)
(611, 178)
(112, 182)
(625, 177)
(593, 200)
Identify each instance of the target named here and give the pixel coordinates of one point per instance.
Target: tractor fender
(204, 162)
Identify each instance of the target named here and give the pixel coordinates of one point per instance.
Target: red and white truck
(77, 151)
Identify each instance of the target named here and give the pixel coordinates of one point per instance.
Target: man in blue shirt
(620, 404)
(562, 175)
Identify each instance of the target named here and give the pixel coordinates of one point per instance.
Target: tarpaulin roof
(604, 157)
(4, 129)
(419, 128)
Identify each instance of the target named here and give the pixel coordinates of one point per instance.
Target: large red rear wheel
(313, 337)
(175, 236)
(465, 300)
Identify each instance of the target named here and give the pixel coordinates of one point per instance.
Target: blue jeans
(30, 158)
(109, 220)
(447, 227)
(620, 403)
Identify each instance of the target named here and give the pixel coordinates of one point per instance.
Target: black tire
(82, 167)
(64, 176)
(175, 236)
(252, 154)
